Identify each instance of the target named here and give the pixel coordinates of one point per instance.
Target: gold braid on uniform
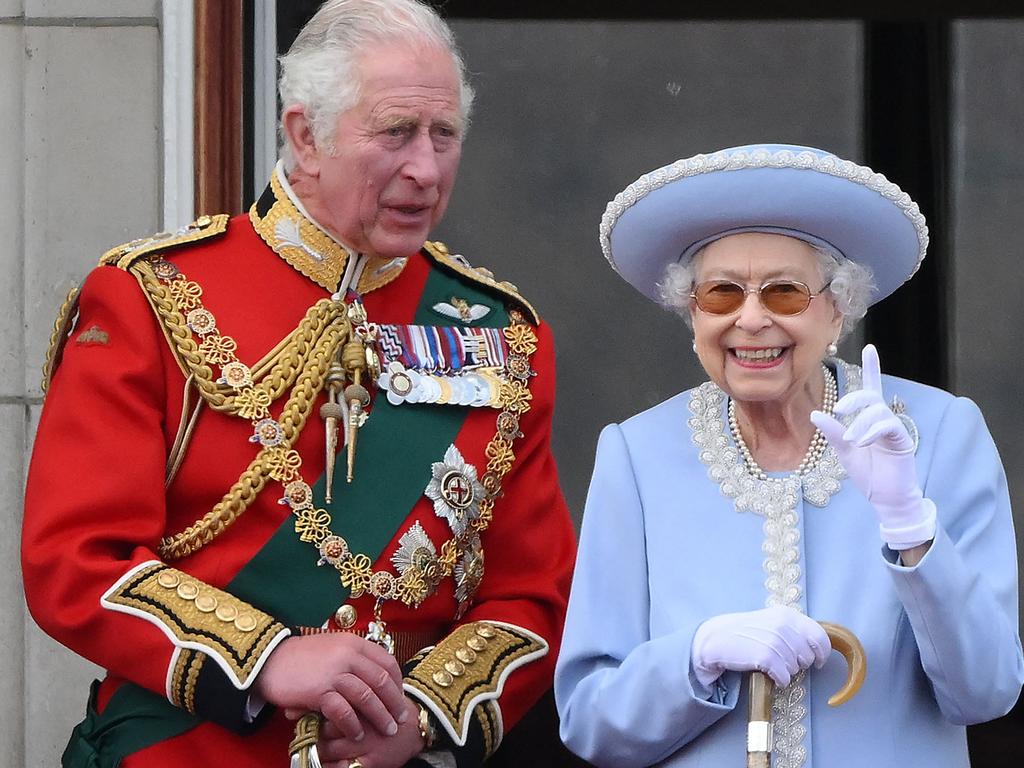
(301, 362)
(290, 357)
(62, 327)
(203, 622)
(459, 679)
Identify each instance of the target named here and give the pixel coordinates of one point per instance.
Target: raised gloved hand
(778, 641)
(878, 454)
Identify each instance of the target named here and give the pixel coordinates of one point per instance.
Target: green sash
(133, 719)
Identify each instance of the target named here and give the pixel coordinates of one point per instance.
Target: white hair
(320, 69)
(849, 283)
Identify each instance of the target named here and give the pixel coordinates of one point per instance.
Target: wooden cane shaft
(759, 721)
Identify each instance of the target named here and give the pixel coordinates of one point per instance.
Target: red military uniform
(176, 526)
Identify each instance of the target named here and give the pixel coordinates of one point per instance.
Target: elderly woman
(724, 523)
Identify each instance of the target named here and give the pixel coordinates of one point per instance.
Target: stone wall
(80, 126)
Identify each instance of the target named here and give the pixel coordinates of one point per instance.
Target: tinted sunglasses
(780, 297)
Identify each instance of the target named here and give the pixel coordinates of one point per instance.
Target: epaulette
(123, 256)
(439, 252)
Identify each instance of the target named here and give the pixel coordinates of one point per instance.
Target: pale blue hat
(668, 214)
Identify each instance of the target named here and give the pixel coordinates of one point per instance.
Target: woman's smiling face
(752, 354)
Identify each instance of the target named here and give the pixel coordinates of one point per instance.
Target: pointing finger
(871, 368)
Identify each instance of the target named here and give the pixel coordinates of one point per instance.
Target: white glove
(778, 641)
(878, 454)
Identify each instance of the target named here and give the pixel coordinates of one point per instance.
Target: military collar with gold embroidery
(298, 240)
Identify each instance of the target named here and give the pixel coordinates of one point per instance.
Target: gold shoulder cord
(301, 362)
(59, 336)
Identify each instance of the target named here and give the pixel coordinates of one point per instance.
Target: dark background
(572, 105)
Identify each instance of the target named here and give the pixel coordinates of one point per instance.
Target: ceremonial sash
(133, 719)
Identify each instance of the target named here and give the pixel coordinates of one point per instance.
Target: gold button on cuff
(227, 612)
(168, 580)
(443, 678)
(466, 655)
(245, 623)
(346, 616)
(457, 668)
(188, 591)
(485, 631)
(206, 603)
(477, 643)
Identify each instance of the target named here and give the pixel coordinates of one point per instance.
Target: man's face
(396, 153)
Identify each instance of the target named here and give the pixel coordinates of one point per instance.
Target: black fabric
(218, 700)
(535, 740)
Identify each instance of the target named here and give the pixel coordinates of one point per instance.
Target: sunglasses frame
(760, 298)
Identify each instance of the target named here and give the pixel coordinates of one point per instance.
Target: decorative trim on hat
(735, 160)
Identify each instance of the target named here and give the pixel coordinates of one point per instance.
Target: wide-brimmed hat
(666, 215)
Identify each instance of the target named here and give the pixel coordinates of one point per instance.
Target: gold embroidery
(487, 717)
(457, 689)
(93, 335)
(184, 678)
(174, 601)
(189, 702)
(310, 250)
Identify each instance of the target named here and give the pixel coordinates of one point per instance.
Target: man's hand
(351, 681)
(373, 751)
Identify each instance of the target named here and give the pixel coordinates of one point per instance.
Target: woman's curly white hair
(850, 284)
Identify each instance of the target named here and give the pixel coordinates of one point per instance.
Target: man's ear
(299, 134)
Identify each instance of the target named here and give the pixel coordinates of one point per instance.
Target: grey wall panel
(12, 215)
(988, 206)
(13, 419)
(92, 174)
(569, 113)
(91, 179)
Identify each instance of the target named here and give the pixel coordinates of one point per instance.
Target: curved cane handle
(759, 718)
(844, 641)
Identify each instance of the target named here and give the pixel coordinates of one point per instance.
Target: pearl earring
(694, 346)
(831, 350)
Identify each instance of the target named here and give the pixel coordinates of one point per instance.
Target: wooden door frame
(218, 106)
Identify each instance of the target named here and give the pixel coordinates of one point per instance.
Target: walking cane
(759, 722)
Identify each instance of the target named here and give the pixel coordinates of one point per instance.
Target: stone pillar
(82, 125)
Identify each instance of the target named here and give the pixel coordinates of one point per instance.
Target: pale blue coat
(662, 549)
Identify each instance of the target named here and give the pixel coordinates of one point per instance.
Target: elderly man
(276, 447)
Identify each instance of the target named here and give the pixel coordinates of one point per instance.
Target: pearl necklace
(814, 450)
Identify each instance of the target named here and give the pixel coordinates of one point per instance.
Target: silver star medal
(416, 552)
(899, 408)
(469, 572)
(455, 490)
